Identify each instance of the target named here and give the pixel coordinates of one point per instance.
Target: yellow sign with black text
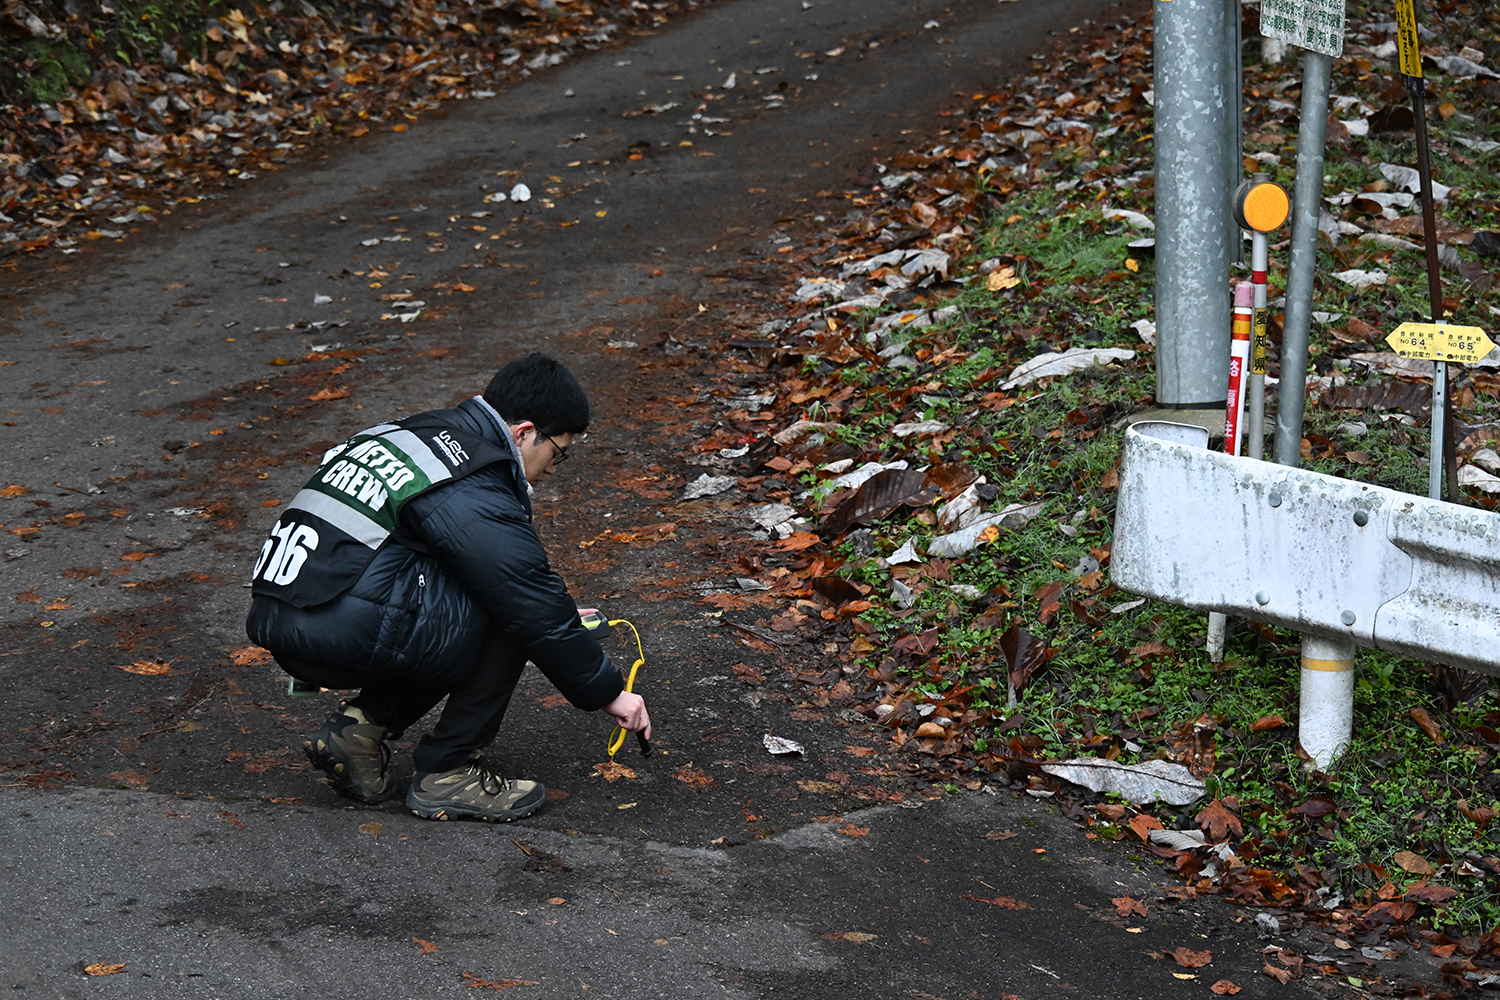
(1440, 342)
(1407, 41)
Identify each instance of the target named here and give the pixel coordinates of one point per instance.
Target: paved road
(160, 396)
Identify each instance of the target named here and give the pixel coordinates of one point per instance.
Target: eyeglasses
(562, 453)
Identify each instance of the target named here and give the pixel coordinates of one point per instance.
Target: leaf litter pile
(116, 114)
(925, 438)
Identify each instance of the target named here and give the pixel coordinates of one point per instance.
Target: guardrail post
(1326, 710)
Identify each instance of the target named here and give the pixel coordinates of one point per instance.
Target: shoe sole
(463, 810)
(328, 762)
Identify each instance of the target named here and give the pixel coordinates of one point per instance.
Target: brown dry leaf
(1001, 835)
(692, 777)
(232, 819)
(477, 982)
(850, 830)
(373, 828)
(1143, 825)
(427, 947)
(1001, 279)
(931, 730)
(1225, 988)
(1429, 725)
(250, 656)
(1125, 906)
(1191, 959)
(1414, 863)
(612, 772)
(1265, 722)
(1359, 457)
(854, 750)
(820, 787)
(1219, 821)
(1282, 976)
(797, 541)
(134, 556)
(1480, 816)
(57, 605)
(323, 395)
(104, 968)
(152, 668)
(13, 490)
(1004, 902)
(855, 937)
(1146, 650)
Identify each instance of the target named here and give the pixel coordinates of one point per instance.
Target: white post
(1326, 722)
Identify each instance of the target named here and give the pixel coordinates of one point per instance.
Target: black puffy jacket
(465, 558)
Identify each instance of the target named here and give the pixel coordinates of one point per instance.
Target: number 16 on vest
(284, 552)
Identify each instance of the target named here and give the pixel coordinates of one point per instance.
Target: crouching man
(408, 568)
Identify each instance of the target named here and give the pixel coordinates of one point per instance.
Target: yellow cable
(617, 739)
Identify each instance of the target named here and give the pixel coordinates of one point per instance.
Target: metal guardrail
(1347, 561)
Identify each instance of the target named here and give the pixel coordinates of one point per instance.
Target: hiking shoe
(473, 791)
(352, 752)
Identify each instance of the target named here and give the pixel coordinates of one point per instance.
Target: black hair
(539, 389)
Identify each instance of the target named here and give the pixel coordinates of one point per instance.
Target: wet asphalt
(175, 828)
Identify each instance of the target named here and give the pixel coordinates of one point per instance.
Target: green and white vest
(349, 508)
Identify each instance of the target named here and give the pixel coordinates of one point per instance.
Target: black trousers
(470, 720)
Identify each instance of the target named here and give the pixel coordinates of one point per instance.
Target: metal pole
(1192, 240)
(1234, 95)
(1443, 444)
(1307, 199)
(1259, 264)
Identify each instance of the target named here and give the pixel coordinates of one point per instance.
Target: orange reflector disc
(1266, 207)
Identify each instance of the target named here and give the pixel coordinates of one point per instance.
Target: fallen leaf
(134, 556)
(1409, 861)
(148, 667)
(231, 818)
(427, 947)
(692, 777)
(12, 491)
(850, 830)
(1125, 906)
(373, 829)
(1225, 988)
(323, 395)
(1143, 825)
(1265, 722)
(1140, 783)
(1001, 835)
(1429, 725)
(476, 982)
(250, 656)
(104, 968)
(1219, 821)
(1282, 976)
(1191, 959)
(1004, 902)
(798, 540)
(612, 772)
(58, 605)
(855, 937)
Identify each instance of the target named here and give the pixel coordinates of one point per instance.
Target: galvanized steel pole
(1192, 201)
(1307, 201)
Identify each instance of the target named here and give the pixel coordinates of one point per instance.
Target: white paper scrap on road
(780, 744)
(707, 486)
(520, 193)
(1148, 781)
(1074, 359)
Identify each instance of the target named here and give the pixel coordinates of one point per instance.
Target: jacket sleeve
(479, 529)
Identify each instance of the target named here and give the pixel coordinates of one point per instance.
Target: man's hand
(629, 710)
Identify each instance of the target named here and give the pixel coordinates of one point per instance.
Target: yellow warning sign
(1407, 40)
(1440, 342)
